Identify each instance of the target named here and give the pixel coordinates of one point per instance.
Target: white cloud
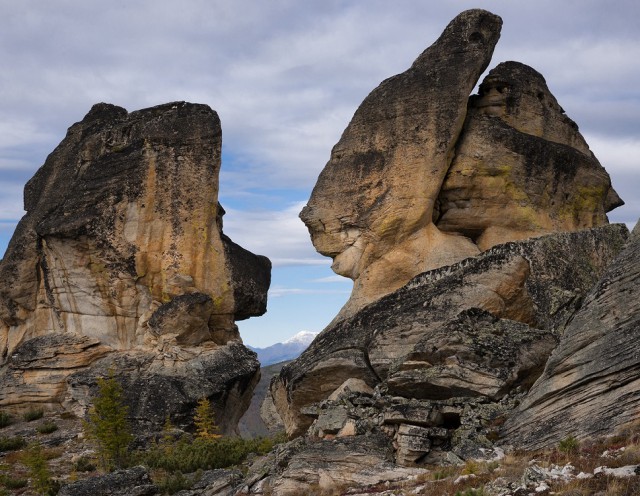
(332, 279)
(279, 291)
(280, 235)
(286, 77)
(619, 154)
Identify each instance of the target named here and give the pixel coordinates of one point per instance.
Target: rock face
(521, 167)
(131, 482)
(416, 182)
(478, 328)
(372, 207)
(306, 467)
(122, 250)
(591, 383)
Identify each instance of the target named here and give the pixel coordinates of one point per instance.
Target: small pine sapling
(108, 425)
(204, 420)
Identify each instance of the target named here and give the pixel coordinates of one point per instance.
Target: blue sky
(286, 77)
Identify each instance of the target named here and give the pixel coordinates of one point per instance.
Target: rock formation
(591, 383)
(417, 183)
(477, 328)
(372, 207)
(473, 228)
(122, 250)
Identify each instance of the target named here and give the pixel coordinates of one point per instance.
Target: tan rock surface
(408, 188)
(521, 167)
(123, 217)
(372, 208)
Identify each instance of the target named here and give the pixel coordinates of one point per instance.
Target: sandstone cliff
(122, 250)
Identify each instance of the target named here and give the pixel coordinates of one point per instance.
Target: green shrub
(11, 483)
(11, 443)
(108, 425)
(171, 483)
(5, 419)
(47, 427)
(33, 414)
(569, 445)
(36, 461)
(206, 454)
(84, 464)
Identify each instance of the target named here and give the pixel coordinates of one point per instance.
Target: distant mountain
(288, 350)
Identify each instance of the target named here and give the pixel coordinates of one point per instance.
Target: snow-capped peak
(303, 338)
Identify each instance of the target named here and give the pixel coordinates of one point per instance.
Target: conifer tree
(204, 420)
(35, 460)
(108, 424)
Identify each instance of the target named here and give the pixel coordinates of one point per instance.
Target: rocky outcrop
(425, 176)
(521, 167)
(473, 228)
(372, 207)
(131, 482)
(122, 251)
(325, 466)
(591, 383)
(478, 328)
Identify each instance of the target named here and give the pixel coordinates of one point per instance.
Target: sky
(286, 76)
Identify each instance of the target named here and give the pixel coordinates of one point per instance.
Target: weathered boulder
(122, 251)
(218, 482)
(591, 383)
(372, 207)
(171, 384)
(478, 328)
(132, 482)
(521, 167)
(425, 176)
(326, 466)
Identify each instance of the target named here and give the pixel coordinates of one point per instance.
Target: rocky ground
(608, 467)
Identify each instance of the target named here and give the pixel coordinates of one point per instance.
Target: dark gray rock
(219, 482)
(131, 482)
(153, 390)
(591, 383)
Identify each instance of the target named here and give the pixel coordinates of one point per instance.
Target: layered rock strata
(122, 250)
(591, 384)
(478, 328)
(424, 176)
